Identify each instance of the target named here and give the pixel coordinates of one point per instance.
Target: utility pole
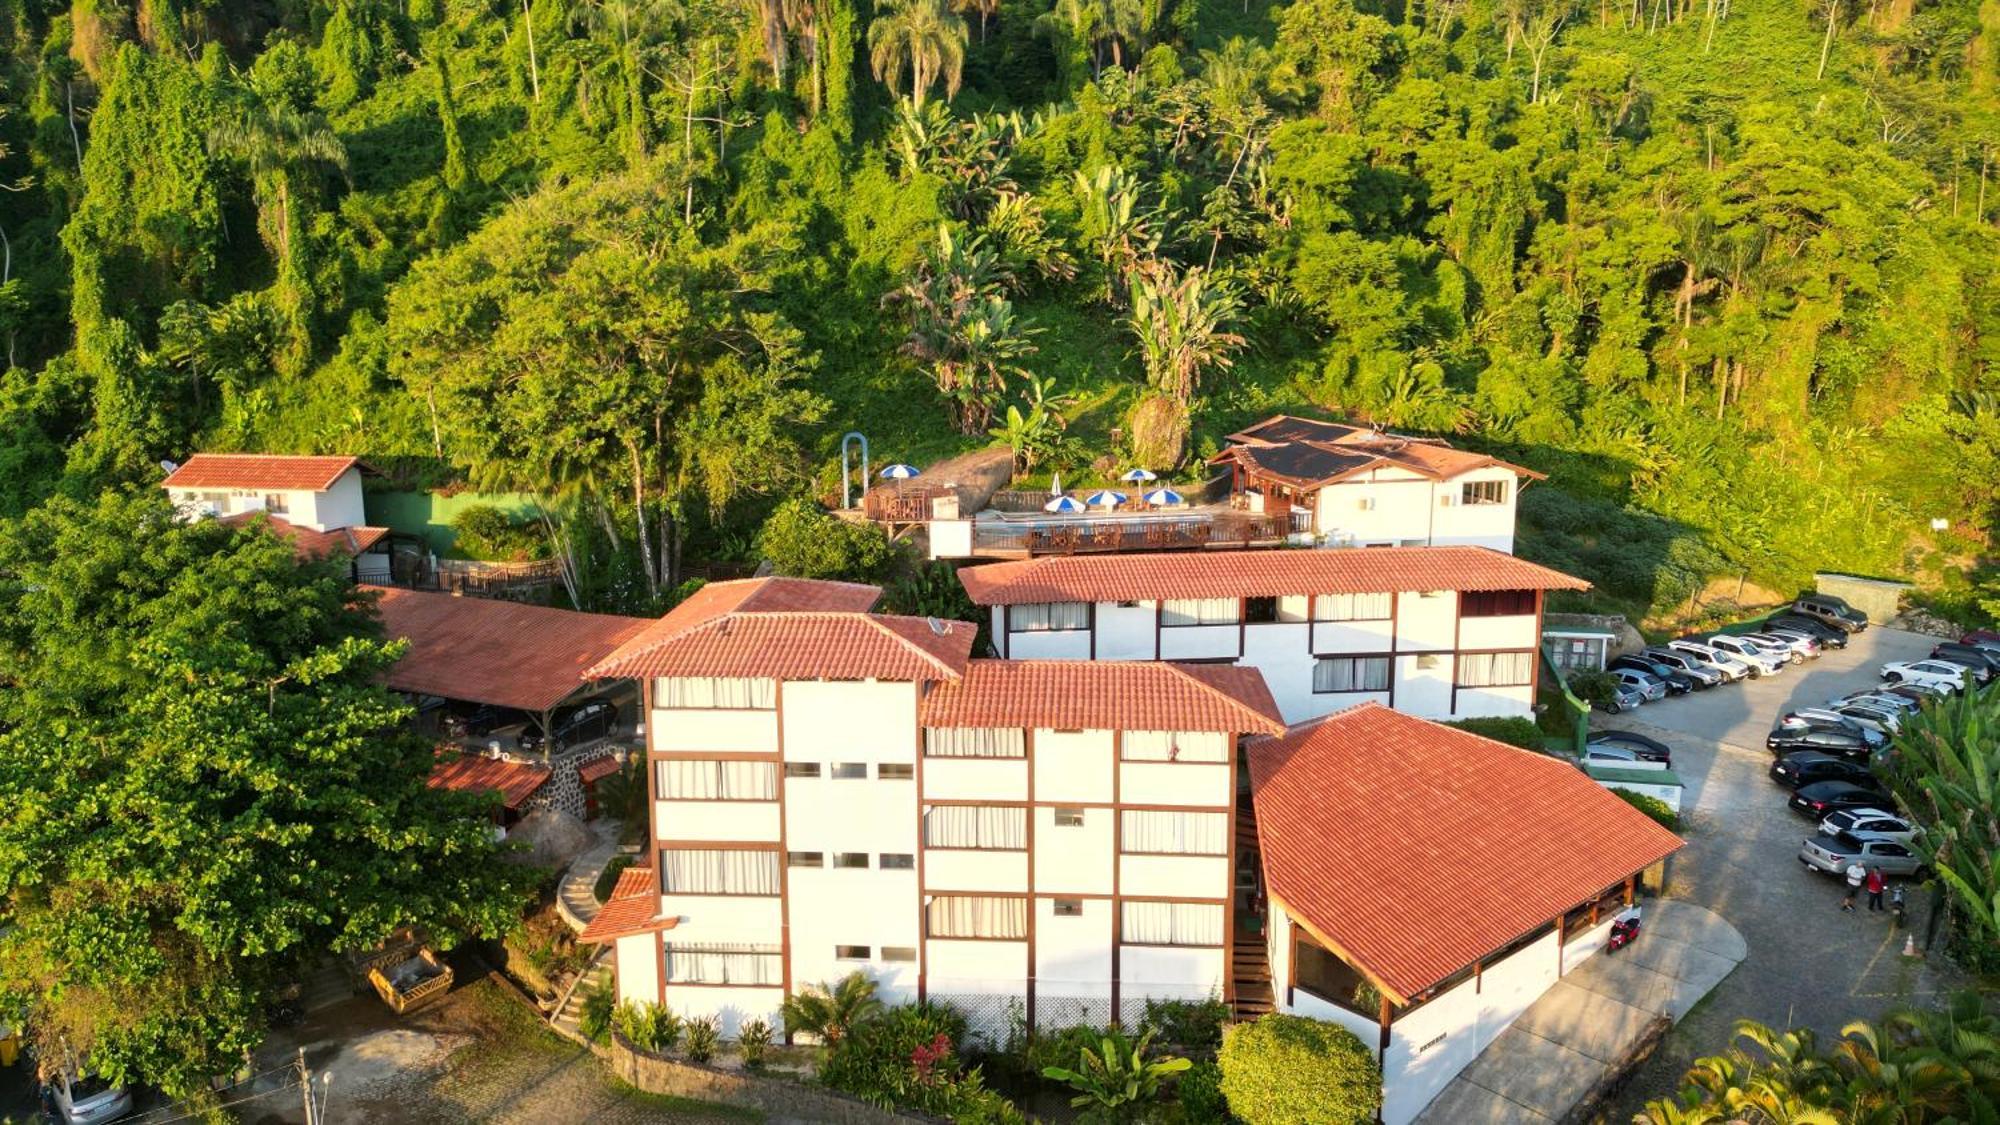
(306, 1089)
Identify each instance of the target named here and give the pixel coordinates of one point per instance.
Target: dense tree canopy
(1722, 270)
(202, 785)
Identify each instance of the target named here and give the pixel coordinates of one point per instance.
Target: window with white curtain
(976, 826)
(718, 871)
(1170, 923)
(709, 963)
(1174, 833)
(975, 742)
(1495, 669)
(708, 780)
(1175, 746)
(1048, 617)
(976, 916)
(1199, 611)
(716, 693)
(1352, 607)
(1351, 673)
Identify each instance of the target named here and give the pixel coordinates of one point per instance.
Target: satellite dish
(169, 468)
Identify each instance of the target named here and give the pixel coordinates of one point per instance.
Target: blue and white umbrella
(1064, 506)
(900, 471)
(1138, 476)
(1107, 499)
(1163, 497)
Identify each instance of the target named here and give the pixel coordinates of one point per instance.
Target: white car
(1731, 668)
(1869, 717)
(89, 1101)
(1756, 656)
(1793, 647)
(1900, 705)
(1937, 674)
(1867, 824)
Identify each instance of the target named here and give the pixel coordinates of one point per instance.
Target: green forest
(1723, 270)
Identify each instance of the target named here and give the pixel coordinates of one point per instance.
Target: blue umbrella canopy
(1107, 499)
(1163, 496)
(900, 471)
(1138, 476)
(1064, 505)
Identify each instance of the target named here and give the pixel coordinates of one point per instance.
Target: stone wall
(776, 1098)
(1879, 598)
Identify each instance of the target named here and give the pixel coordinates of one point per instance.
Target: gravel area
(1809, 964)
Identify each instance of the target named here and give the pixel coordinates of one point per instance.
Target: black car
(1677, 681)
(1828, 636)
(1831, 610)
(1647, 749)
(575, 726)
(1822, 797)
(1807, 767)
(1834, 743)
(1816, 718)
(1982, 663)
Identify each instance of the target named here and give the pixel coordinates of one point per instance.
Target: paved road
(1808, 964)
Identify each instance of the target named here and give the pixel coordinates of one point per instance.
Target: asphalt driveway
(1809, 964)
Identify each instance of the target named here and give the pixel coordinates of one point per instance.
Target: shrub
(1200, 1094)
(1652, 806)
(753, 1038)
(485, 532)
(700, 1037)
(802, 541)
(829, 1012)
(1195, 1024)
(649, 1027)
(878, 1061)
(1514, 730)
(608, 878)
(595, 1018)
(1289, 1070)
(1595, 688)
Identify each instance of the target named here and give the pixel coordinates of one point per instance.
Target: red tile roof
(1109, 695)
(1307, 451)
(1238, 574)
(1416, 849)
(792, 628)
(257, 470)
(310, 544)
(514, 781)
(488, 651)
(633, 908)
(597, 769)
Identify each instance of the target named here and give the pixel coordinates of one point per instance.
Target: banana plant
(1116, 1081)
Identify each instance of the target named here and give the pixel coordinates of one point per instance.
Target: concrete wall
(1881, 600)
(429, 515)
(777, 1098)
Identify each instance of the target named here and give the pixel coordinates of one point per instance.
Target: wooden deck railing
(1086, 536)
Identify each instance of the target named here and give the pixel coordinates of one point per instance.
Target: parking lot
(1809, 964)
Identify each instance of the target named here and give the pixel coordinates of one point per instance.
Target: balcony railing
(1082, 535)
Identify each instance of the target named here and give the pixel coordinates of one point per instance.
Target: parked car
(1844, 744)
(1835, 854)
(1677, 681)
(87, 1100)
(1651, 688)
(479, 720)
(1941, 675)
(1919, 694)
(1797, 632)
(1804, 767)
(1764, 661)
(1645, 749)
(1821, 718)
(1982, 664)
(1731, 668)
(1823, 797)
(1881, 720)
(1827, 635)
(1703, 673)
(1981, 636)
(1832, 610)
(1795, 647)
(1604, 755)
(575, 726)
(1887, 701)
(1865, 824)
(1623, 698)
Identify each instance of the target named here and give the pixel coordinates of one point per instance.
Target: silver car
(1794, 648)
(1835, 854)
(1651, 689)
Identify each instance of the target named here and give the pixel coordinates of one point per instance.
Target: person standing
(1876, 885)
(1855, 874)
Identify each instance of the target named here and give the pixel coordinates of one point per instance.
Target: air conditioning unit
(1447, 500)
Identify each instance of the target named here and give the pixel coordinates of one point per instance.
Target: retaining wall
(775, 1097)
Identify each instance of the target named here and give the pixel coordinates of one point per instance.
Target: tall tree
(926, 37)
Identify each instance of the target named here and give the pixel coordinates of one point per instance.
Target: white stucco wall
(339, 506)
(1073, 953)
(1126, 632)
(1075, 859)
(1174, 783)
(716, 820)
(950, 869)
(1172, 876)
(715, 731)
(1169, 973)
(731, 1006)
(1201, 642)
(637, 963)
(976, 779)
(1073, 766)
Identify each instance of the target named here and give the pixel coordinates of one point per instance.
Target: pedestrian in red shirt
(1876, 885)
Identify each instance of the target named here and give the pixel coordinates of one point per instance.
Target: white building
(1367, 488)
(1437, 632)
(316, 502)
(1425, 886)
(837, 790)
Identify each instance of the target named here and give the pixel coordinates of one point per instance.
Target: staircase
(329, 984)
(597, 974)
(1249, 966)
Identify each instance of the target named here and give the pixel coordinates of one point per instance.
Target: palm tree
(986, 9)
(1182, 326)
(925, 36)
(828, 1013)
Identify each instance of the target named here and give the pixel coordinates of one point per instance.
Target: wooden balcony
(1076, 535)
